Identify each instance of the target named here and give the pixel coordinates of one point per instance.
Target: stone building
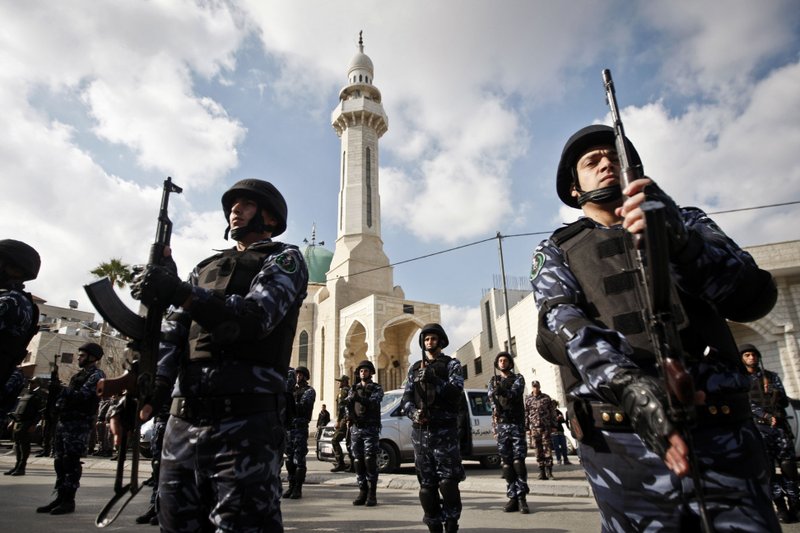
(776, 334)
(353, 310)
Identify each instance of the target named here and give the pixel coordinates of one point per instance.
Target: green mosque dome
(318, 259)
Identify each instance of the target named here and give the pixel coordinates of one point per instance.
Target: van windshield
(390, 401)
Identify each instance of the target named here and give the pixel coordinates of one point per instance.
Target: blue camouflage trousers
(224, 476)
(365, 443)
(513, 446)
(437, 458)
(297, 443)
(636, 492)
(780, 448)
(69, 445)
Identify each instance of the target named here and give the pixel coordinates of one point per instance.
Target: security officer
(768, 402)
(228, 342)
(26, 414)
(364, 410)
(19, 316)
(341, 426)
(433, 392)
(540, 414)
(303, 397)
(77, 406)
(506, 393)
(592, 322)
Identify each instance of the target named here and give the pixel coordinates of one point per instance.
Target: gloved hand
(425, 375)
(419, 418)
(643, 399)
(156, 285)
(676, 229)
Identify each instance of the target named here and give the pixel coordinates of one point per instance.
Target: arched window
(359, 77)
(302, 359)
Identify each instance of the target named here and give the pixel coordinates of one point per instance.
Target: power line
(530, 234)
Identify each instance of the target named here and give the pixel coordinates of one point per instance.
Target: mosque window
(369, 187)
(359, 77)
(489, 333)
(478, 366)
(465, 371)
(367, 78)
(302, 359)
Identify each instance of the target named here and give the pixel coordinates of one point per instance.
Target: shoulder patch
(286, 262)
(536, 264)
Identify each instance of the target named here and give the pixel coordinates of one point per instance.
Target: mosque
(353, 310)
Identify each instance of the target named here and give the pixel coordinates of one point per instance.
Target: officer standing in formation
(228, 342)
(341, 427)
(768, 402)
(540, 412)
(433, 392)
(303, 396)
(364, 411)
(77, 407)
(27, 413)
(19, 316)
(591, 321)
(506, 396)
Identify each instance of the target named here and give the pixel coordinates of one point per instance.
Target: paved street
(326, 504)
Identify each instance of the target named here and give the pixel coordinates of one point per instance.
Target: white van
(475, 429)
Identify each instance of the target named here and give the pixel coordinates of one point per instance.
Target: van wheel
(387, 458)
(490, 461)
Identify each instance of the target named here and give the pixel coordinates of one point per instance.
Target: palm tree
(117, 272)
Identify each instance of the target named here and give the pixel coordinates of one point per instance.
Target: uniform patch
(537, 264)
(286, 262)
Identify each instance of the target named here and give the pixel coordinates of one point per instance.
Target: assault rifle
(652, 262)
(136, 383)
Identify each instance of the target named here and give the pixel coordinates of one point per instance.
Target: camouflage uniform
(767, 400)
(715, 280)
(341, 432)
(9, 394)
(364, 410)
(297, 439)
(26, 414)
(437, 453)
(541, 415)
(224, 441)
(506, 398)
(77, 408)
(19, 319)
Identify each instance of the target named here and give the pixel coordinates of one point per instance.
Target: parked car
(145, 432)
(793, 419)
(475, 429)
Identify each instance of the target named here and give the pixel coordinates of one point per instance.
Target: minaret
(360, 121)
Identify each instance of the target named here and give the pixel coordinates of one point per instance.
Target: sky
(102, 100)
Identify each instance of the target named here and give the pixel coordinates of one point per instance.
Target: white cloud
(461, 324)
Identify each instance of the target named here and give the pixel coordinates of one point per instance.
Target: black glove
(643, 398)
(676, 229)
(425, 375)
(156, 285)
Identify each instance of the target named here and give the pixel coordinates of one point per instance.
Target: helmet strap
(601, 196)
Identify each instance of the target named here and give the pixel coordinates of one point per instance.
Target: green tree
(117, 272)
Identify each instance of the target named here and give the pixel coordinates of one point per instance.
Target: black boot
(67, 504)
(338, 466)
(18, 472)
(451, 526)
(361, 499)
(523, 504)
(542, 473)
(550, 472)
(511, 506)
(291, 470)
(299, 479)
(10, 472)
(783, 513)
(50, 506)
(147, 516)
(372, 498)
(435, 528)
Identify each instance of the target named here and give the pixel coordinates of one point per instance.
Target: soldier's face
(750, 359)
(364, 373)
(84, 359)
(431, 342)
(504, 363)
(597, 168)
(242, 212)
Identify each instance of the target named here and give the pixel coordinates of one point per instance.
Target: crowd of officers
(237, 411)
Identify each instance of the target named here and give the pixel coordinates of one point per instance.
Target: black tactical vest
(232, 272)
(425, 393)
(302, 411)
(509, 410)
(365, 413)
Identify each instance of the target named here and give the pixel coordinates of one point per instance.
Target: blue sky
(101, 101)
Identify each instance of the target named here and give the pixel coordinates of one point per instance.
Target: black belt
(212, 408)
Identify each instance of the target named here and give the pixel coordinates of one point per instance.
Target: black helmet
(503, 354)
(93, 349)
(267, 196)
(576, 146)
(303, 370)
(366, 364)
(749, 348)
(21, 255)
(438, 330)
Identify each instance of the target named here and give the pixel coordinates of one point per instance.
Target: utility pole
(505, 292)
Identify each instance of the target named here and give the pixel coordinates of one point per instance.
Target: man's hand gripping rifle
(136, 384)
(652, 249)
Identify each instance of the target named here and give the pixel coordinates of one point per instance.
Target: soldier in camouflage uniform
(434, 389)
(768, 402)
(364, 411)
(341, 425)
(506, 396)
(150, 516)
(540, 415)
(591, 321)
(226, 346)
(19, 316)
(77, 406)
(25, 416)
(303, 397)
(9, 393)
